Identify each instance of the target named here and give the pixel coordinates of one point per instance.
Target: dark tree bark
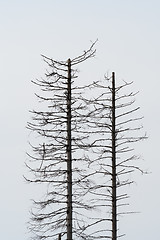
(59, 237)
(69, 157)
(114, 186)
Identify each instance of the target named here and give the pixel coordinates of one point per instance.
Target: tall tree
(58, 161)
(114, 128)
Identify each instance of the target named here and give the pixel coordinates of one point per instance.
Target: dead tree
(114, 128)
(58, 161)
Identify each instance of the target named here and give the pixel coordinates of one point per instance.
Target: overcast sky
(128, 35)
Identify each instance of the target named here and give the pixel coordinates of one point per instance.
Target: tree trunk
(69, 157)
(114, 207)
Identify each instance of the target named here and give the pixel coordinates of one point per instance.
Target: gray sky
(129, 36)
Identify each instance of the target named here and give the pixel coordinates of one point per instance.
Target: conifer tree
(114, 127)
(58, 160)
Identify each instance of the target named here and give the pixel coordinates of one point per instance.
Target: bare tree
(114, 128)
(58, 161)
(83, 153)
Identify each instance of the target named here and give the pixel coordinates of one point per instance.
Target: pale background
(129, 44)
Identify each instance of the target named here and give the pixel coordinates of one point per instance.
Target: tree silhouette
(83, 153)
(114, 128)
(58, 161)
